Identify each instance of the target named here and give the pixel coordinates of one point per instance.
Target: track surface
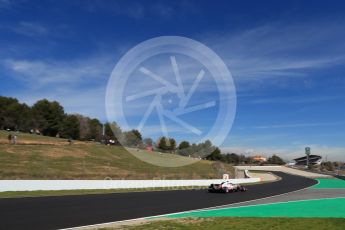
(340, 177)
(72, 211)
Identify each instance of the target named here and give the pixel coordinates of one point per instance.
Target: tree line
(233, 158)
(49, 118)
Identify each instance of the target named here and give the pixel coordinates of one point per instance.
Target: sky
(286, 59)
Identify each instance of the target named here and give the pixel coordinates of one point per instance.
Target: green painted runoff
(322, 208)
(329, 183)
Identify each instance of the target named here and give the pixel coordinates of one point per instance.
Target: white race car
(226, 187)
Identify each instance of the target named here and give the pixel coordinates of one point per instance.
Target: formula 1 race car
(226, 187)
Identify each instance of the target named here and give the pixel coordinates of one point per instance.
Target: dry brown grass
(58, 152)
(54, 158)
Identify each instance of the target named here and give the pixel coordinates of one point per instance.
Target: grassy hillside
(39, 157)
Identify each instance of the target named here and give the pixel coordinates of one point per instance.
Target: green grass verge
(39, 157)
(243, 224)
(320, 208)
(30, 138)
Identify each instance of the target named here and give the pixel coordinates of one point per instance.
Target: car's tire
(226, 190)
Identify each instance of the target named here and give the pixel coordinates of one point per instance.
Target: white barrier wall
(260, 168)
(283, 169)
(34, 185)
(246, 174)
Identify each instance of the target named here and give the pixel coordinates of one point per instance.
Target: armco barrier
(34, 185)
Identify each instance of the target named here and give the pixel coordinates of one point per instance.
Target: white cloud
(30, 29)
(79, 85)
(154, 130)
(298, 125)
(280, 50)
(42, 73)
(89, 102)
(249, 68)
(294, 100)
(290, 153)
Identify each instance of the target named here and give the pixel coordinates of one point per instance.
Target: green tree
(137, 134)
(132, 138)
(108, 132)
(7, 112)
(172, 145)
(14, 115)
(232, 158)
(184, 148)
(84, 127)
(163, 143)
(148, 142)
(275, 160)
(216, 155)
(205, 148)
(70, 127)
(184, 145)
(95, 128)
(114, 132)
(48, 116)
(167, 144)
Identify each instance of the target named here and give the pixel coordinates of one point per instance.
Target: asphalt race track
(340, 177)
(72, 211)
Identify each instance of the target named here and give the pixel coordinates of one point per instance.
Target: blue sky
(287, 60)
